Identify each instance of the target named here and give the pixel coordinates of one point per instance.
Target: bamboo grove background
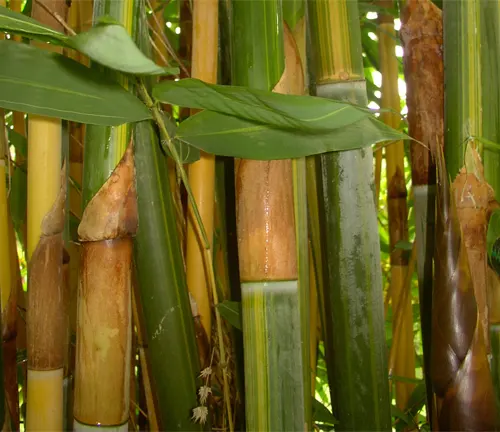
(353, 290)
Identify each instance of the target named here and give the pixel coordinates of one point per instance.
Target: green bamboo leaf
(226, 135)
(18, 23)
(107, 43)
(293, 11)
(404, 244)
(401, 415)
(231, 312)
(110, 44)
(322, 414)
(306, 113)
(19, 142)
(18, 198)
(62, 88)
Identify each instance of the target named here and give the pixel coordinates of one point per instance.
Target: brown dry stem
(422, 37)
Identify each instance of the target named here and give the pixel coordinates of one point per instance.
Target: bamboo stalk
(106, 231)
(162, 279)
(9, 278)
(353, 291)
(267, 237)
(202, 172)
(45, 316)
(397, 210)
(422, 37)
(313, 314)
(143, 362)
(19, 124)
(104, 304)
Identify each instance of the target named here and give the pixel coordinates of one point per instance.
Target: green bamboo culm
(462, 74)
(162, 281)
(490, 89)
(273, 312)
(354, 334)
(472, 104)
(105, 146)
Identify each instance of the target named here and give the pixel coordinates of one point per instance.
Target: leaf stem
(207, 255)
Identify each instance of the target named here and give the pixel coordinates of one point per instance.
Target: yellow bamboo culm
(46, 195)
(44, 178)
(397, 208)
(5, 273)
(45, 387)
(202, 172)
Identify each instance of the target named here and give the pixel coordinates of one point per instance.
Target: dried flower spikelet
(205, 373)
(203, 393)
(200, 414)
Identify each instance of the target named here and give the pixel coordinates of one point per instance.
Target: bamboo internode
(45, 222)
(202, 172)
(397, 211)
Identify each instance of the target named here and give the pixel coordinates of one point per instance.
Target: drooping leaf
(306, 113)
(322, 414)
(225, 135)
(107, 43)
(18, 23)
(401, 415)
(111, 45)
(18, 198)
(231, 312)
(19, 142)
(36, 81)
(417, 398)
(404, 245)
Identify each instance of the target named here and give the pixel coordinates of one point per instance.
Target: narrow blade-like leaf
(45, 83)
(107, 43)
(112, 46)
(225, 135)
(231, 312)
(23, 25)
(306, 113)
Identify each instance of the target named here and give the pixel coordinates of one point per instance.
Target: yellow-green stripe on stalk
(354, 334)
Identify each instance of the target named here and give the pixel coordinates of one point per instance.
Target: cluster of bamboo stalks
(199, 293)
